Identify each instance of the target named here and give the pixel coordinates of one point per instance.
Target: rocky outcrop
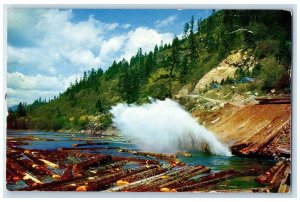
(226, 69)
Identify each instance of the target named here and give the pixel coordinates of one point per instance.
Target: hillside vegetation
(261, 41)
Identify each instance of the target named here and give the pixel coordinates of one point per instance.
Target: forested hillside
(161, 73)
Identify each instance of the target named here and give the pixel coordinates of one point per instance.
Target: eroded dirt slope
(251, 129)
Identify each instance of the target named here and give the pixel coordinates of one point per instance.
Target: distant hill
(265, 35)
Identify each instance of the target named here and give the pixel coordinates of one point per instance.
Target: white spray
(164, 126)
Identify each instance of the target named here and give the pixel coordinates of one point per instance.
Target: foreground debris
(91, 169)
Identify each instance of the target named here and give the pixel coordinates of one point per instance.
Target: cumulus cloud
(126, 26)
(166, 22)
(48, 45)
(144, 38)
(27, 88)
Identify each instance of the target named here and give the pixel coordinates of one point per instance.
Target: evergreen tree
(186, 29)
(21, 111)
(192, 43)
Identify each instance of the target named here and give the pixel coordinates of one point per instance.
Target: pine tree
(192, 43)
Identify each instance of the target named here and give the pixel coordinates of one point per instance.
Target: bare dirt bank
(261, 130)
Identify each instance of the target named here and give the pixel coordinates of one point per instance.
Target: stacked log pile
(274, 100)
(275, 142)
(277, 178)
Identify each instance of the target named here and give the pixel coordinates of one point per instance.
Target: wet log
(67, 174)
(271, 134)
(89, 144)
(141, 182)
(94, 161)
(274, 100)
(178, 182)
(283, 152)
(279, 177)
(141, 161)
(168, 157)
(250, 190)
(28, 154)
(35, 168)
(107, 168)
(100, 184)
(262, 179)
(21, 173)
(162, 180)
(214, 179)
(89, 148)
(90, 182)
(145, 174)
(238, 146)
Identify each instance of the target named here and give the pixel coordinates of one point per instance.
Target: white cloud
(46, 46)
(20, 81)
(26, 88)
(144, 38)
(126, 26)
(112, 45)
(166, 22)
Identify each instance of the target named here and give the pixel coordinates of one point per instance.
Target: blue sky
(49, 48)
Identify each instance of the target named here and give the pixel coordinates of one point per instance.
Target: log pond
(50, 160)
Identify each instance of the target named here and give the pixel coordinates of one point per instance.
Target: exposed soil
(251, 129)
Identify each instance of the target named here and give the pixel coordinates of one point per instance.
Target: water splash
(164, 126)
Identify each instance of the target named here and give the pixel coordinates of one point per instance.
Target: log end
(81, 189)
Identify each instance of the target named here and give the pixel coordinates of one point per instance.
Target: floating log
(94, 161)
(145, 174)
(67, 174)
(250, 190)
(178, 182)
(136, 184)
(89, 149)
(89, 144)
(213, 179)
(21, 173)
(34, 168)
(142, 161)
(92, 183)
(279, 177)
(168, 157)
(28, 154)
(162, 180)
(102, 183)
(269, 173)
